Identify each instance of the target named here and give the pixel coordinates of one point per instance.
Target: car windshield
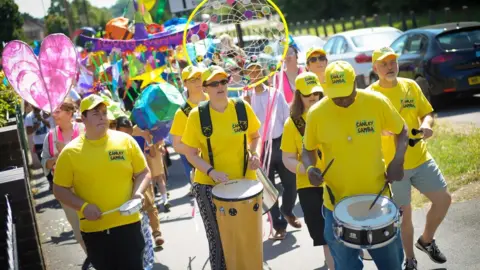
(460, 39)
(373, 41)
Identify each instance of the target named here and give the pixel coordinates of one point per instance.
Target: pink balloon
(46, 81)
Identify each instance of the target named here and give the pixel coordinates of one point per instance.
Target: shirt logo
(116, 155)
(338, 78)
(311, 80)
(365, 126)
(408, 103)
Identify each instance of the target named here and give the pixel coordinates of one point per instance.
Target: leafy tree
(56, 24)
(8, 100)
(11, 22)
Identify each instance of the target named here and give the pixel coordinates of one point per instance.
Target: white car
(357, 46)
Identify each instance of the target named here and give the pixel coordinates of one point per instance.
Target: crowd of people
(320, 118)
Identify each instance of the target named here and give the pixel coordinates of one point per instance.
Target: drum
(270, 193)
(360, 228)
(239, 217)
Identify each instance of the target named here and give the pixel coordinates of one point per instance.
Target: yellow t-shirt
(180, 120)
(409, 101)
(226, 141)
(292, 142)
(352, 136)
(101, 172)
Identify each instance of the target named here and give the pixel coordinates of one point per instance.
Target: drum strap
(207, 127)
(186, 108)
(300, 125)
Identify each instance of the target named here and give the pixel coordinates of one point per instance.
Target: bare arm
(141, 182)
(428, 120)
(178, 145)
(290, 161)
(193, 157)
(309, 158)
(67, 197)
(401, 142)
(254, 139)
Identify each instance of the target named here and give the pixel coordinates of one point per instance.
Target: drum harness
(186, 108)
(207, 127)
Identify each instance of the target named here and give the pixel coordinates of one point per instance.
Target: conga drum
(238, 207)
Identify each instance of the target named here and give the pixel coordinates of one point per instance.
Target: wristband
(297, 170)
(209, 171)
(83, 207)
(309, 168)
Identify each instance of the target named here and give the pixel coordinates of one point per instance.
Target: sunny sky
(34, 7)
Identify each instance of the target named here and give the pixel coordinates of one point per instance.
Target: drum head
(237, 190)
(354, 211)
(130, 205)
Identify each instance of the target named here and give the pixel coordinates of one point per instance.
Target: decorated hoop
(244, 11)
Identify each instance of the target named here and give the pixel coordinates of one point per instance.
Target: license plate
(474, 80)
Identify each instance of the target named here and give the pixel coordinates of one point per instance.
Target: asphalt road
(186, 245)
(464, 110)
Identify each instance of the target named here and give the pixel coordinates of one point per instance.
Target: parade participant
(126, 126)
(347, 126)
(260, 100)
(192, 80)
(224, 153)
(292, 70)
(421, 170)
(317, 63)
(54, 142)
(38, 123)
(100, 166)
(308, 92)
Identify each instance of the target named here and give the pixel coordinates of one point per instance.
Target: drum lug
(338, 230)
(222, 211)
(370, 237)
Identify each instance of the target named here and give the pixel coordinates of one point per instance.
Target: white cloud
(34, 7)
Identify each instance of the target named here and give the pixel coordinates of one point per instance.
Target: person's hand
(92, 212)
(394, 171)
(218, 176)
(315, 176)
(253, 162)
(427, 131)
(59, 146)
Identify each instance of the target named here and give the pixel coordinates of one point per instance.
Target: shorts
(425, 178)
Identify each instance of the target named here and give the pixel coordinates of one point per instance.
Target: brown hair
(297, 107)
(68, 106)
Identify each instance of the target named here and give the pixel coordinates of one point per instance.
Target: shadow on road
(272, 249)
(52, 204)
(64, 236)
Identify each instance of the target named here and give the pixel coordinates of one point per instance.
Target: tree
(8, 100)
(11, 22)
(56, 24)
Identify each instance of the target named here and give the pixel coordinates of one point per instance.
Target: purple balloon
(248, 14)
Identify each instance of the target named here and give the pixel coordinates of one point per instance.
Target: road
(186, 245)
(464, 110)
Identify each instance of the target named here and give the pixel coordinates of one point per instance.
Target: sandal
(279, 235)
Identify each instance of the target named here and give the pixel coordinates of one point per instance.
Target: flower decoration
(141, 48)
(163, 49)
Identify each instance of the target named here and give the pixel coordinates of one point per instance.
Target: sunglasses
(317, 58)
(217, 83)
(315, 94)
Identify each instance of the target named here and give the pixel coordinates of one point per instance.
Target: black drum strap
(186, 108)
(330, 194)
(243, 123)
(300, 125)
(206, 125)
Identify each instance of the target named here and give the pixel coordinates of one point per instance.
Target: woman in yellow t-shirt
(228, 153)
(308, 92)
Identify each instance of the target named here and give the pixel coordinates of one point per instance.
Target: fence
(11, 238)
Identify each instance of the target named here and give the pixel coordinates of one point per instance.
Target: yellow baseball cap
(382, 53)
(314, 50)
(307, 83)
(340, 79)
(190, 72)
(91, 102)
(212, 71)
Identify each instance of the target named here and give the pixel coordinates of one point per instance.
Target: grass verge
(457, 153)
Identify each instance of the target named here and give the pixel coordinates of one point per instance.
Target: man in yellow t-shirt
(106, 168)
(192, 80)
(421, 171)
(347, 126)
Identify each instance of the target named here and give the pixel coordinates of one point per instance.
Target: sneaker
(432, 251)
(167, 206)
(410, 264)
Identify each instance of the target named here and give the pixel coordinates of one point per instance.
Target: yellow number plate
(474, 80)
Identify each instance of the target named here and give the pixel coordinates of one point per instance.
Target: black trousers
(311, 200)
(119, 248)
(288, 180)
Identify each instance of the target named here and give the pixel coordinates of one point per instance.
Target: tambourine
(129, 208)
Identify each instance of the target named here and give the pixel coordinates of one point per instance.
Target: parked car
(357, 46)
(443, 59)
(303, 43)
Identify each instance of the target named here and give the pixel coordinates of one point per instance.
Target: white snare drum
(360, 228)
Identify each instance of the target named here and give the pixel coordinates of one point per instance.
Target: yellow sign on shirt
(100, 172)
(352, 136)
(226, 140)
(292, 142)
(409, 100)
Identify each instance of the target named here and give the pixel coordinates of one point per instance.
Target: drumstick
(416, 131)
(413, 142)
(328, 167)
(378, 196)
